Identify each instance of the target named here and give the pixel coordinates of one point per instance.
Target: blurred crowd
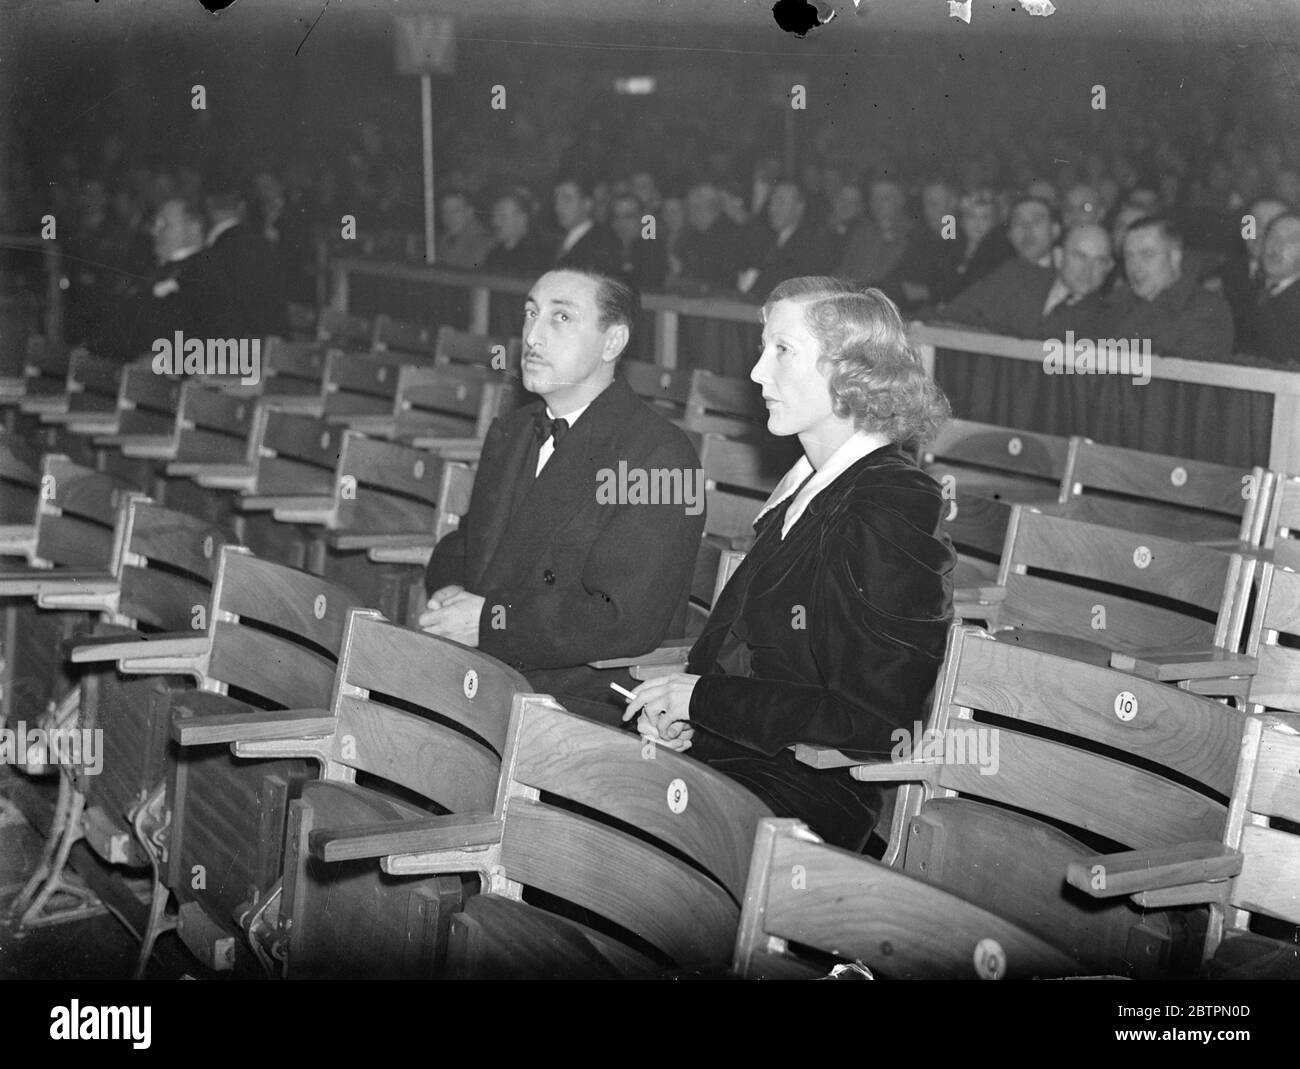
(1182, 232)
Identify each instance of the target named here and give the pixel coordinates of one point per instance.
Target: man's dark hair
(1029, 198)
(584, 185)
(617, 301)
(1164, 224)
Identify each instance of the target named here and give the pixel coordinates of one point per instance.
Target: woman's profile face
(795, 388)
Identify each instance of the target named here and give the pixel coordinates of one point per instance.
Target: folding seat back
(726, 406)
(302, 322)
(46, 375)
(414, 340)
(450, 401)
(422, 722)
(666, 390)
(340, 328)
(739, 476)
(1003, 463)
(93, 386)
(296, 457)
(147, 423)
(839, 903)
(1189, 500)
(478, 350)
(293, 373)
(20, 487)
(1025, 754)
(214, 431)
(361, 384)
(1117, 589)
(636, 857)
(1274, 642)
(1249, 879)
(273, 641)
(1281, 535)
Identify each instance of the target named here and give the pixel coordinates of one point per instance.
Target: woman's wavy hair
(875, 375)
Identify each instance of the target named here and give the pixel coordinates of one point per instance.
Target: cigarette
(623, 691)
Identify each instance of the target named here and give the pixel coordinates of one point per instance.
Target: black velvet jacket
(843, 624)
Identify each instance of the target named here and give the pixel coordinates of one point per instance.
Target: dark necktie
(548, 428)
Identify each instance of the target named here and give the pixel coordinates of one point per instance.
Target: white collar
(181, 254)
(861, 444)
(220, 228)
(572, 417)
(576, 234)
(1278, 288)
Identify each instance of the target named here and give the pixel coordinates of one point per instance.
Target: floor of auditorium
(95, 948)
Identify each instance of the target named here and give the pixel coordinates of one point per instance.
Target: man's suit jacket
(182, 306)
(1277, 327)
(1008, 301)
(596, 248)
(246, 291)
(804, 253)
(1185, 320)
(712, 257)
(568, 578)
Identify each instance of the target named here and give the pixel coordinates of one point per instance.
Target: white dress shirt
(575, 235)
(863, 443)
(548, 446)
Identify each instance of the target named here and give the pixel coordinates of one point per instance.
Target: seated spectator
(641, 259)
(464, 241)
(585, 243)
(891, 251)
(793, 247)
(981, 248)
(516, 250)
(173, 297)
(646, 190)
(852, 534)
(1277, 316)
(1012, 298)
(711, 247)
(247, 292)
(845, 214)
(1179, 316)
(1242, 275)
(1076, 302)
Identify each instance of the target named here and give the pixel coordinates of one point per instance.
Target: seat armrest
(1136, 871)
(1178, 663)
(251, 727)
(457, 831)
(669, 653)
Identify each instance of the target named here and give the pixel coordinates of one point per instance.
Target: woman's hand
(664, 706)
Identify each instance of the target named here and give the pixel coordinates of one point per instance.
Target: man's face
(1281, 255)
(795, 388)
(784, 207)
(1031, 231)
(846, 205)
(567, 356)
(625, 219)
(456, 215)
(571, 207)
(1152, 263)
(1084, 259)
(886, 203)
(702, 207)
(1082, 205)
(644, 188)
(978, 217)
(174, 231)
(509, 221)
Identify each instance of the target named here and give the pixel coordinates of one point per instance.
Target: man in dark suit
(641, 258)
(1011, 300)
(1277, 317)
(171, 297)
(563, 557)
(712, 246)
(791, 249)
(1083, 261)
(246, 289)
(586, 244)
